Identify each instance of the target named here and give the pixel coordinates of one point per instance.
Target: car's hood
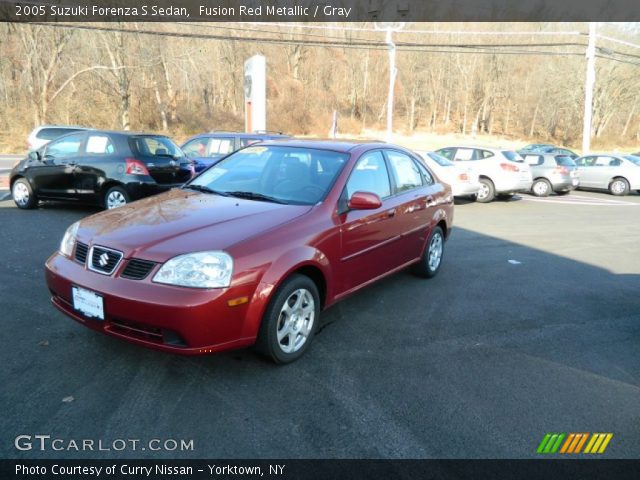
(180, 221)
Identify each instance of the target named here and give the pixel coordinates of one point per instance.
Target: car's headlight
(197, 270)
(69, 240)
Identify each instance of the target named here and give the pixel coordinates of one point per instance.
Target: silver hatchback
(552, 173)
(617, 173)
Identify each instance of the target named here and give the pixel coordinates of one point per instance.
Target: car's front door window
(370, 175)
(65, 147)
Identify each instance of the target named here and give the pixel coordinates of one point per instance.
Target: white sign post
(255, 94)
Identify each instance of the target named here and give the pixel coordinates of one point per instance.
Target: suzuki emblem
(103, 260)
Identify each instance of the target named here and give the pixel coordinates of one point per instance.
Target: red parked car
(250, 251)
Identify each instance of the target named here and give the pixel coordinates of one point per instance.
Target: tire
(563, 192)
(115, 197)
(429, 264)
(541, 187)
(487, 191)
(23, 195)
(287, 317)
(619, 187)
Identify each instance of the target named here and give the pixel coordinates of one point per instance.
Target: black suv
(99, 167)
(206, 149)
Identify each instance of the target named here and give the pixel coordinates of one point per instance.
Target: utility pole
(393, 72)
(589, 83)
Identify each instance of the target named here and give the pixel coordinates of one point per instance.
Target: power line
(478, 48)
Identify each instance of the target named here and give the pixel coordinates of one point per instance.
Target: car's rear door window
(405, 171)
(533, 160)
(464, 154)
(99, 145)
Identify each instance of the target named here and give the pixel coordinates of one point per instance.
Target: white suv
(502, 172)
(45, 133)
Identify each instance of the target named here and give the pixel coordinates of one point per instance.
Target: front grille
(81, 252)
(104, 260)
(137, 269)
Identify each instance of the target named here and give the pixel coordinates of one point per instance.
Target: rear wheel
(290, 321)
(115, 197)
(619, 187)
(23, 195)
(487, 191)
(541, 187)
(429, 264)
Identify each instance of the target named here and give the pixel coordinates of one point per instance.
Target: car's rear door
(416, 197)
(96, 163)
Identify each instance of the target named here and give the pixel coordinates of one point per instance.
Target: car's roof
(333, 145)
(479, 147)
(243, 134)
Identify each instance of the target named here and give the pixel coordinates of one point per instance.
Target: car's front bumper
(181, 320)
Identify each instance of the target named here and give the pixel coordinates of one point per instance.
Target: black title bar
(318, 10)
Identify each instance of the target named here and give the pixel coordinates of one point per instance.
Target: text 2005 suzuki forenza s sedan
(250, 251)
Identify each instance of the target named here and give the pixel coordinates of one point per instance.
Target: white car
(45, 133)
(502, 172)
(463, 179)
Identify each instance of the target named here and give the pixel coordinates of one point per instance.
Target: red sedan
(251, 250)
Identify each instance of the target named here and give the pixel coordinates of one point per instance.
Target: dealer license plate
(88, 303)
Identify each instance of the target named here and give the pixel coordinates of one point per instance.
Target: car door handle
(391, 213)
(431, 201)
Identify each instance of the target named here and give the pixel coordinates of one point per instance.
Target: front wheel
(487, 191)
(291, 319)
(431, 259)
(23, 195)
(115, 197)
(619, 187)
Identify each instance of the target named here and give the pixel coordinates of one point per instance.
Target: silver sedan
(617, 173)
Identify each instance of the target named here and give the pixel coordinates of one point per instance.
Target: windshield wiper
(205, 189)
(256, 196)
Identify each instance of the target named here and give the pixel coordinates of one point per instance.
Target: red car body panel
(268, 242)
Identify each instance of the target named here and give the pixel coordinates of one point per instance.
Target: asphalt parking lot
(532, 326)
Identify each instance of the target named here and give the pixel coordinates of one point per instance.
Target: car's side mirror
(364, 201)
(34, 156)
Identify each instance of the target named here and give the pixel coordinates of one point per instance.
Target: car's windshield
(156, 146)
(633, 158)
(512, 156)
(440, 160)
(280, 174)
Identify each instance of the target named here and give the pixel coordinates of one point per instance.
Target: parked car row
(112, 168)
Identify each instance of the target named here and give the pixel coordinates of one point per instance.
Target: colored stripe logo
(573, 443)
